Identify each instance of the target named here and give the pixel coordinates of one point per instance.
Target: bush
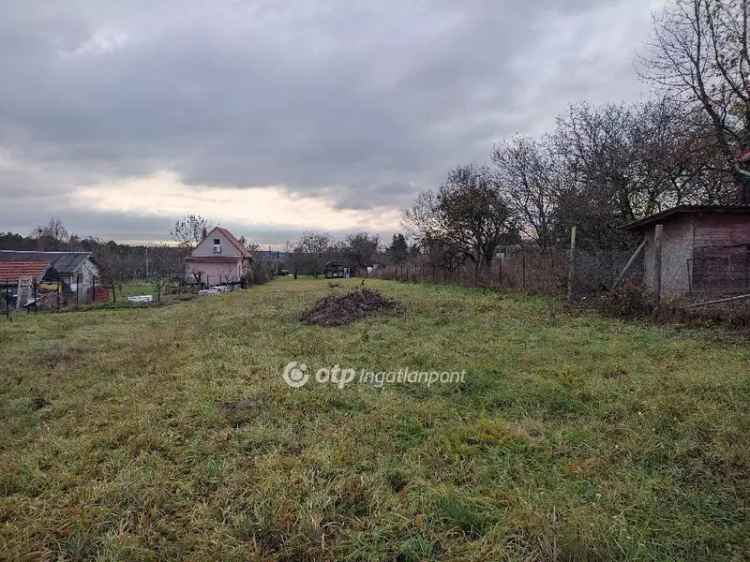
(628, 301)
(632, 301)
(258, 274)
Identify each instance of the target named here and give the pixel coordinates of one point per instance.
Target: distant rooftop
(12, 271)
(63, 262)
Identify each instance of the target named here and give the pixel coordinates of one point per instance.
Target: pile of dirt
(338, 310)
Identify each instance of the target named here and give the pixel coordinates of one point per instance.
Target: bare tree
(467, 214)
(52, 236)
(529, 175)
(360, 249)
(310, 253)
(190, 230)
(620, 163)
(700, 56)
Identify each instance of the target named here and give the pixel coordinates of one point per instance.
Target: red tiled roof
(232, 240)
(14, 270)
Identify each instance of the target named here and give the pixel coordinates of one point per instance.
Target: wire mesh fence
(720, 270)
(80, 291)
(529, 270)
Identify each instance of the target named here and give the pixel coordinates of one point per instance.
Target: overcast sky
(274, 118)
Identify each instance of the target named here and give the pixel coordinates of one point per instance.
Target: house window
(217, 245)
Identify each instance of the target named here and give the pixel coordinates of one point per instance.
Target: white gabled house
(220, 258)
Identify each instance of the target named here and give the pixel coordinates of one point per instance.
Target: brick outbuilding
(705, 250)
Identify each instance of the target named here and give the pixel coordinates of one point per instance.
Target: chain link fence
(529, 270)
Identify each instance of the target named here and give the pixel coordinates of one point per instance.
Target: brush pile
(339, 310)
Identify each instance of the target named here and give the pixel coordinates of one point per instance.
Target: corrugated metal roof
(63, 262)
(14, 270)
(688, 209)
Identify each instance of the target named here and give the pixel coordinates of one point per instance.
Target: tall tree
(398, 251)
(310, 253)
(700, 56)
(530, 177)
(360, 249)
(467, 213)
(190, 230)
(622, 162)
(52, 236)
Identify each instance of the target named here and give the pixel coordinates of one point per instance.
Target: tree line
(601, 167)
(118, 262)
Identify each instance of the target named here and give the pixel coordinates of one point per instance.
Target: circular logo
(295, 374)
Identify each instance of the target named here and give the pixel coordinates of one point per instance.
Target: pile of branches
(339, 310)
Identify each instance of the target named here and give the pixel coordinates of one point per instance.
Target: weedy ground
(169, 434)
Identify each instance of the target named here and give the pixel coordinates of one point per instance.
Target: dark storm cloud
(365, 104)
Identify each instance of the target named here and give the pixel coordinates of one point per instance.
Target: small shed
(337, 270)
(705, 250)
(14, 274)
(76, 271)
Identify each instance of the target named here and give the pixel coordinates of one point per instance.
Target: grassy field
(169, 434)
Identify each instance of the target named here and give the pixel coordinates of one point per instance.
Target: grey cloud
(366, 104)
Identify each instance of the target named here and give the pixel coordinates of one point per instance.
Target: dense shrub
(632, 301)
(628, 301)
(258, 274)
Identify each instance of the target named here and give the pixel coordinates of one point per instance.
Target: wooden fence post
(572, 263)
(523, 270)
(658, 232)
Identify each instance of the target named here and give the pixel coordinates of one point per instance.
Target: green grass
(572, 437)
(134, 288)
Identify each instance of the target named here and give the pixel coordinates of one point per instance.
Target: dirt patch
(39, 403)
(240, 411)
(335, 310)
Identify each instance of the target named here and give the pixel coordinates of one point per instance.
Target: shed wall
(721, 257)
(677, 250)
(721, 230)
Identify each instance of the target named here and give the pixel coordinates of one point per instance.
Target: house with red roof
(12, 272)
(220, 258)
(76, 272)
